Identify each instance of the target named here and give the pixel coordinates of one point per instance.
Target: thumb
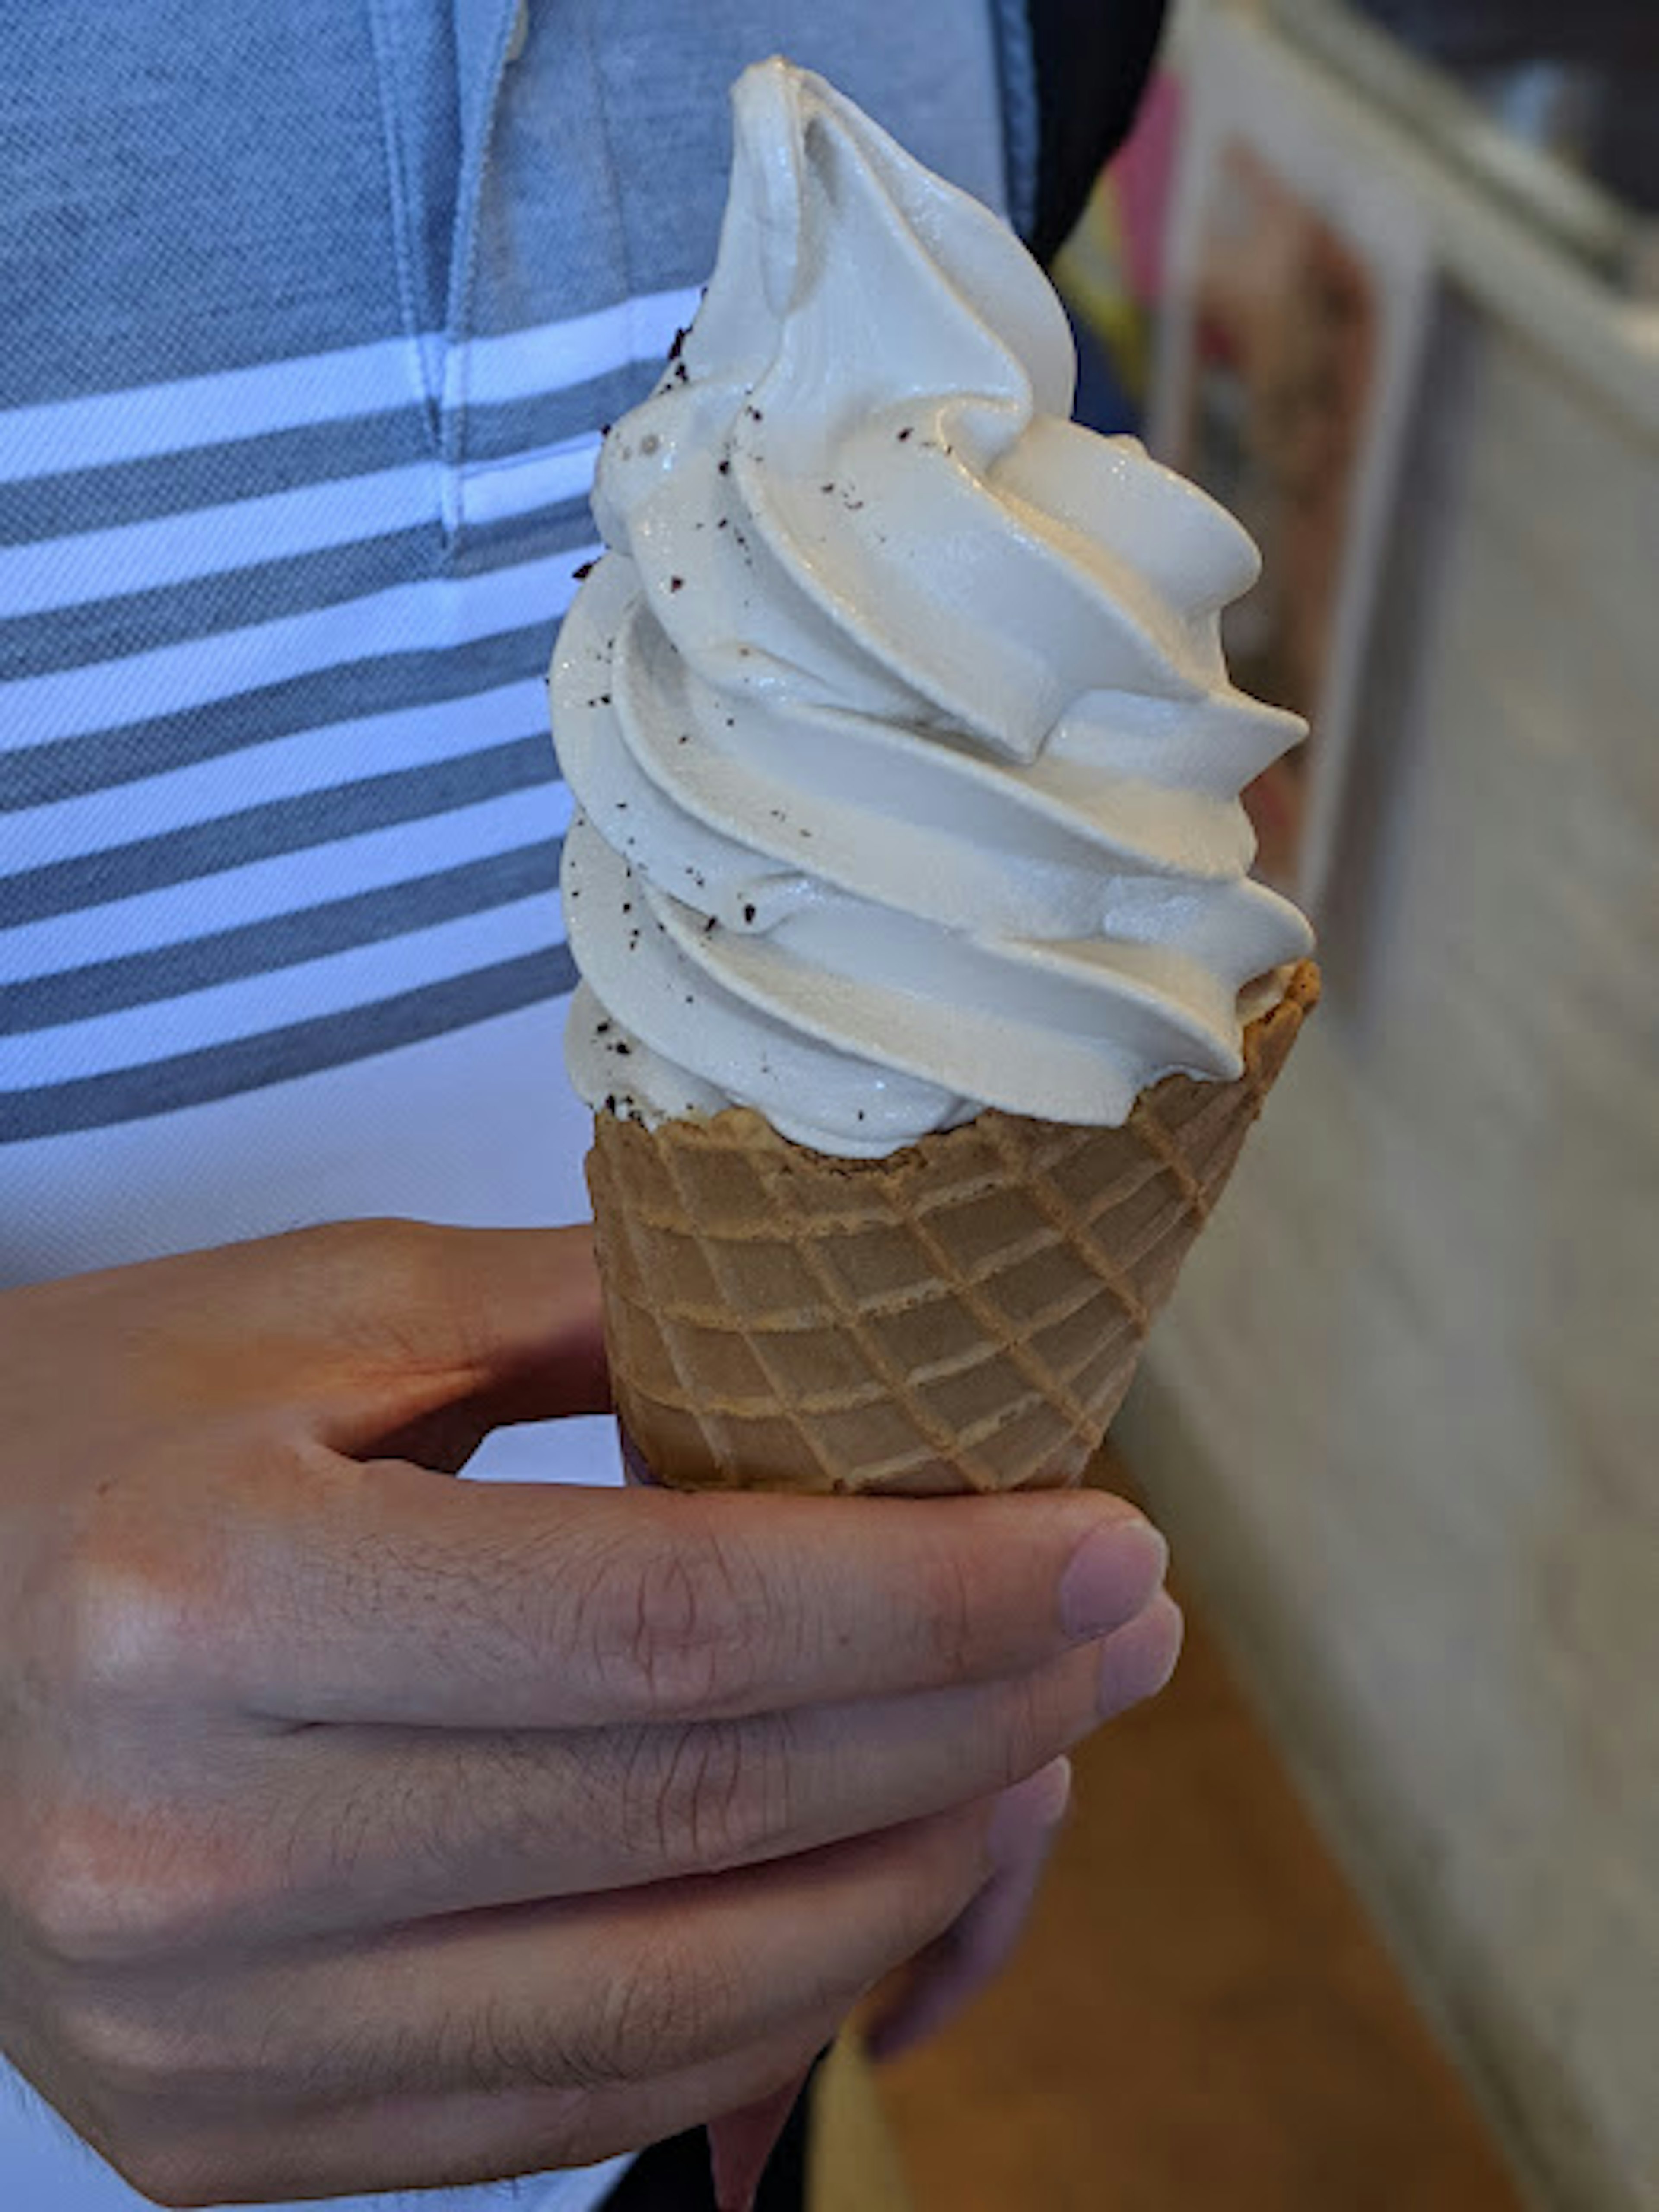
(438, 1334)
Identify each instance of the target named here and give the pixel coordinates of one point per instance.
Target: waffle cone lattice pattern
(964, 1315)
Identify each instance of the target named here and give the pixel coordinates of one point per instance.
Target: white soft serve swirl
(906, 760)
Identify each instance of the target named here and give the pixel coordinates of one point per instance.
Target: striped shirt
(313, 315)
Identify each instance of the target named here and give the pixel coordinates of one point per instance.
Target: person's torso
(313, 320)
(313, 316)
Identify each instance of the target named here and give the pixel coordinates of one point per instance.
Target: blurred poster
(1298, 283)
(1110, 269)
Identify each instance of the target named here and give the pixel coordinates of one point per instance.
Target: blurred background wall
(1402, 1420)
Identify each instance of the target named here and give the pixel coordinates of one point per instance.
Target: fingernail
(1029, 1808)
(1110, 1576)
(1137, 1661)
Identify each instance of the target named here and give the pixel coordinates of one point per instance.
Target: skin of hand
(361, 1829)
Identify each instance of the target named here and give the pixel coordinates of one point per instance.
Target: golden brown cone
(966, 1314)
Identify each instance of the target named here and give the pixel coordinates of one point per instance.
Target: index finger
(402, 1597)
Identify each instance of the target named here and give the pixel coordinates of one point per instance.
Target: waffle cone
(966, 1314)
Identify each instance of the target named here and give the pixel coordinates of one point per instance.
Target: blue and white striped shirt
(313, 314)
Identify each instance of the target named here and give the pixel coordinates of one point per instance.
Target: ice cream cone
(966, 1314)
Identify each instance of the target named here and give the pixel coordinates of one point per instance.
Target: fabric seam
(464, 272)
(613, 179)
(394, 144)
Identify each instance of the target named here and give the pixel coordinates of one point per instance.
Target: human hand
(931, 1991)
(361, 1829)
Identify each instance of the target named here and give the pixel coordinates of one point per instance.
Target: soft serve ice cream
(906, 759)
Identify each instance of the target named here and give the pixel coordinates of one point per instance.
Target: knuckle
(527, 1794)
(407, 1255)
(126, 1631)
(101, 1892)
(1020, 1730)
(128, 2056)
(946, 1613)
(170, 2173)
(713, 1794)
(680, 1630)
(153, 2069)
(657, 2015)
(1041, 1715)
(496, 2050)
(939, 1880)
(353, 1274)
(75, 1899)
(136, 1615)
(349, 1254)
